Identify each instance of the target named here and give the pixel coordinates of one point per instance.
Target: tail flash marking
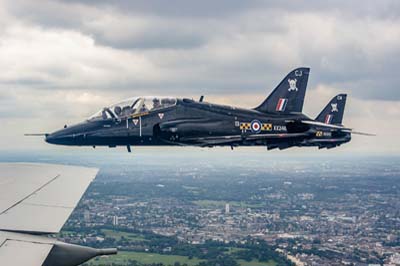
(328, 119)
(282, 102)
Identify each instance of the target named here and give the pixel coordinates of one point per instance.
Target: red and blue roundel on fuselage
(255, 126)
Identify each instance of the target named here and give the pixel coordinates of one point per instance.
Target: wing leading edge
(37, 199)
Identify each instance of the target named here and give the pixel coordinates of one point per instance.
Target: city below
(263, 211)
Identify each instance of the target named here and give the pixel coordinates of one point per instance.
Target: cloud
(32, 56)
(129, 45)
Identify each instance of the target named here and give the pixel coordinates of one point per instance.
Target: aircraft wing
(337, 127)
(224, 140)
(20, 249)
(36, 199)
(39, 198)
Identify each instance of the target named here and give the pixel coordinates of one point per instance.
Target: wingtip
(107, 251)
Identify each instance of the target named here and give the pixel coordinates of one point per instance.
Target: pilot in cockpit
(127, 110)
(156, 103)
(143, 108)
(117, 110)
(120, 112)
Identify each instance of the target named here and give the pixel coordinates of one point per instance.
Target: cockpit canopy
(134, 106)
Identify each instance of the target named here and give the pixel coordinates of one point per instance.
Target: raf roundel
(255, 126)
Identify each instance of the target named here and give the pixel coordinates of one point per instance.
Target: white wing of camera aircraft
(35, 202)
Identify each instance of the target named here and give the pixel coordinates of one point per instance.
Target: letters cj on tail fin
(288, 96)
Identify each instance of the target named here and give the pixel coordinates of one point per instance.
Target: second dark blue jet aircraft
(277, 122)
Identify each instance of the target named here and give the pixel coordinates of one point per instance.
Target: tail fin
(288, 96)
(333, 112)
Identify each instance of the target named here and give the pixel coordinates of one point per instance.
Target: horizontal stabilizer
(321, 124)
(341, 128)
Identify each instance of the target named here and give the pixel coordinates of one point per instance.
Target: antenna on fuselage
(201, 98)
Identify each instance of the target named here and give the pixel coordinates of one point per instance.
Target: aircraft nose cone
(71, 135)
(49, 138)
(60, 138)
(54, 138)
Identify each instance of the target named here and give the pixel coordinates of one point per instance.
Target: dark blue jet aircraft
(278, 122)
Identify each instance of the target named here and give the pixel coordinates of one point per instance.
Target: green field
(256, 263)
(117, 235)
(123, 257)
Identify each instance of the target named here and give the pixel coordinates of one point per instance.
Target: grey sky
(62, 60)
